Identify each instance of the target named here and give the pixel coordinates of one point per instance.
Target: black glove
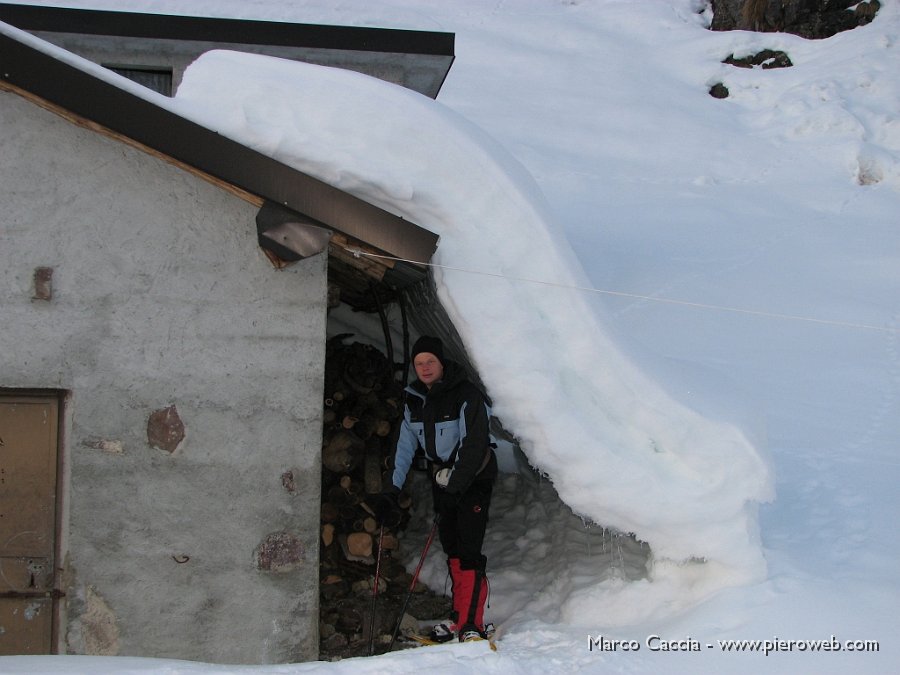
(387, 509)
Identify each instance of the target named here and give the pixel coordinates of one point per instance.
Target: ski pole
(415, 578)
(375, 591)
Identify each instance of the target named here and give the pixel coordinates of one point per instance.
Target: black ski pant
(461, 530)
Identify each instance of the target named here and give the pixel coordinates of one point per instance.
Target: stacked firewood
(362, 406)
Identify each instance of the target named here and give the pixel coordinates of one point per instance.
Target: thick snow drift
(618, 449)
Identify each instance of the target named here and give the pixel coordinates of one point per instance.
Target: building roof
(419, 60)
(42, 76)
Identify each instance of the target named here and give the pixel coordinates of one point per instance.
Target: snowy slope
(775, 212)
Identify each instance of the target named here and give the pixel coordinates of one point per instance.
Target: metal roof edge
(179, 27)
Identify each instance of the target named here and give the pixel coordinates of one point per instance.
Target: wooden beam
(371, 267)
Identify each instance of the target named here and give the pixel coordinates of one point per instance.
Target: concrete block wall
(200, 540)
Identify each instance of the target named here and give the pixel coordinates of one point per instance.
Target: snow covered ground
(729, 391)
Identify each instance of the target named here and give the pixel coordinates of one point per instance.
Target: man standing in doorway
(448, 418)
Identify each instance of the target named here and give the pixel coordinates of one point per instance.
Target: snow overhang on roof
(418, 60)
(79, 94)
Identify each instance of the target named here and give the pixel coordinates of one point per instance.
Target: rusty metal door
(28, 476)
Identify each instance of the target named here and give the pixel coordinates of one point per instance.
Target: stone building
(164, 305)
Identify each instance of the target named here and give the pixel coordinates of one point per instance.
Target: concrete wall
(161, 298)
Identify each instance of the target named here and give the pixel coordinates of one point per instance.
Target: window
(157, 79)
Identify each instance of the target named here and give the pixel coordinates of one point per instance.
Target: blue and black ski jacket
(451, 423)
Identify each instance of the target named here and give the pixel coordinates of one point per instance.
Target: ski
(423, 640)
(426, 641)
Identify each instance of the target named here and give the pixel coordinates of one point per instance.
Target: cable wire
(652, 298)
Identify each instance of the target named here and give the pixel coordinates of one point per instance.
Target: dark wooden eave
(81, 93)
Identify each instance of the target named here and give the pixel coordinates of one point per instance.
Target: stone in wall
(43, 283)
(280, 552)
(165, 430)
(110, 446)
(288, 482)
(98, 626)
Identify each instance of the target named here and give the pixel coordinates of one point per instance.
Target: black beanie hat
(429, 344)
